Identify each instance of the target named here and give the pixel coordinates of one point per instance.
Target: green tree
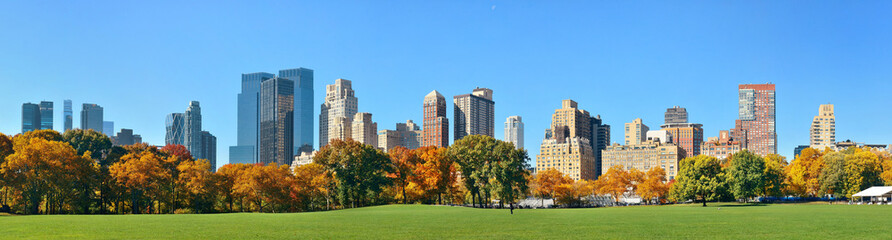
(474, 155)
(510, 173)
(88, 141)
(699, 177)
(745, 175)
(833, 174)
(360, 171)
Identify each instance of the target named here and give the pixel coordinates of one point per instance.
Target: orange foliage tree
(654, 186)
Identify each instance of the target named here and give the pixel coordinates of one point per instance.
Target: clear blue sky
(622, 60)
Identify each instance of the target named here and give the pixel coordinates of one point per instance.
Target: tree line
(80, 172)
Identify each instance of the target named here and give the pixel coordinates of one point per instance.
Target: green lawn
(799, 221)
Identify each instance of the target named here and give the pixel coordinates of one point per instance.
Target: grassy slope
(416, 221)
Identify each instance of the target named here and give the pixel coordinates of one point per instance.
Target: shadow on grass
(742, 205)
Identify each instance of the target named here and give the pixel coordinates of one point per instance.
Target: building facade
(108, 128)
(126, 137)
(720, 147)
(514, 131)
(340, 102)
(192, 129)
(435, 124)
(364, 129)
(756, 127)
(688, 136)
(636, 132)
(644, 156)
(408, 135)
(823, 128)
(276, 121)
(175, 128)
(600, 139)
(209, 149)
(247, 138)
(474, 114)
(303, 107)
(30, 117)
(46, 115)
(91, 117)
(303, 159)
(567, 145)
(67, 115)
(675, 115)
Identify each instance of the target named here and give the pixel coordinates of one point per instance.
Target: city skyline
(702, 57)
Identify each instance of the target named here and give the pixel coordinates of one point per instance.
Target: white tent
(875, 193)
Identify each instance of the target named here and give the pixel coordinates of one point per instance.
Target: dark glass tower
(46, 115)
(67, 115)
(30, 117)
(276, 121)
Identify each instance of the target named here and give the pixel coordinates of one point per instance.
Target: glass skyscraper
(91, 117)
(30, 117)
(175, 129)
(192, 129)
(303, 107)
(67, 115)
(245, 149)
(46, 115)
(108, 128)
(276, 121)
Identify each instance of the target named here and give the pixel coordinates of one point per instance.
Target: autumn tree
(142, 176)
(863, 169)
(654, 186)
(436, 173)
(5, 150)
(745, 175)
(775, 167)
(546, 183)
(803, 174)
(833, 174)
(360, 171)
(316, 186)
(48, 171)
(267, 188)
(404, 163)
(573, 193)
(616, 182)
(197, 184)
(229, 177)
(699, 177)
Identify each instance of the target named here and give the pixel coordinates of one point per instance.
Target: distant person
(512, 208)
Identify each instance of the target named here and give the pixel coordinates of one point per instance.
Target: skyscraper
(823, 128)
(567, 145)
(175, 129)
(514, 131)
(108, 128)
(245, 150)
(209, 149)
(30, 117)
(435, 123)
(192, 129)
(340, 102)
(676, 115)
(276, 121)
(474, 113)
(600, 140)
(756, 127)
(636, 132)
(303, 107)
(91, 117)
(67, 115)
(364, 130)
(46, 115)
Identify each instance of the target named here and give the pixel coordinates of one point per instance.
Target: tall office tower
(600, 140)
(67, 115)
(209, 149)
(676, 115)
(276, 121)
(108, 128)
(688, 136)
(636, 132)
(91, 117)
(245, 150)
(364, 130)
(303, 107)
(125, 137)
(474, 114)
(407, 135)
(46, 115)
(175, 129)
(514, 131)
(435, 123)
(30, 117)
(567, 145)
(756, 127)
(823, 128)
(340, 101)
(192, 129)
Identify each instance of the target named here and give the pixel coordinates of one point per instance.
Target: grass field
(798, 221)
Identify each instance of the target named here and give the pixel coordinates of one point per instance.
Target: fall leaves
(616, 182)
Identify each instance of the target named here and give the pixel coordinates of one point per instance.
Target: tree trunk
(704, 201)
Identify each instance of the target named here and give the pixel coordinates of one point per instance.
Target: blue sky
(620, 59)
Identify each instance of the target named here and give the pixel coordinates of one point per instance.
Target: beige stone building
(474, 114)
(636, 132)
(567, 145)
(720, 147)
(643, 157)
(823, 128)
(408, 135)
(364, 130)
(340, 102)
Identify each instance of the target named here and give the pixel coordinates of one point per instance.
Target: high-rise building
(688, 136)
(644, 156)
(30, 117)
(636, 132)
(245, 150)
(108, 128)
(91, 117)
(276, 121)
(756, 127)
(514, 131)
(67, 115)
(676, 114)
(364, 130)
(209, 149)
(175, 128)
(192, 129)
(407, 135)
(474, 113)
(823, 128)
(435, 123)
(600, 140)
(340, 101)
(46, 115)
(303, 107)
(126, 137)
(567, 145)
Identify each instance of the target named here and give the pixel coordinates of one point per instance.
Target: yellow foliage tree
(803, 174)
(654, 186)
